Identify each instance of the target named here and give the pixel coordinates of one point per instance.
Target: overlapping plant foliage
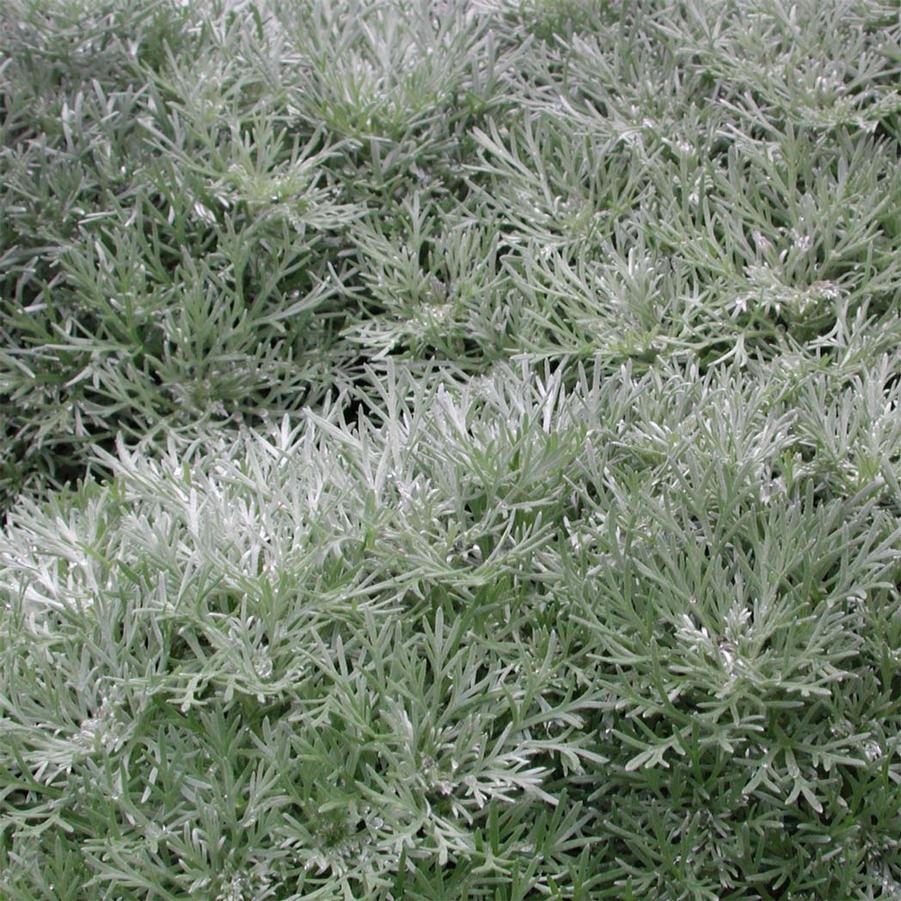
(450, 450)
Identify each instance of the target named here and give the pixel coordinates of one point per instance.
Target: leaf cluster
(450, 449)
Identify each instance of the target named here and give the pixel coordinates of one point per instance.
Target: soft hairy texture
(450, 450)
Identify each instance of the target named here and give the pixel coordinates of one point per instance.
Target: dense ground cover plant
(620, 639)
(450, 449)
